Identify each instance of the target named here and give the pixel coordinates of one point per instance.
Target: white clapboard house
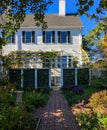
(64, 34)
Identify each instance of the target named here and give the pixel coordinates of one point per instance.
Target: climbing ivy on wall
(20, 59)
(48, 57)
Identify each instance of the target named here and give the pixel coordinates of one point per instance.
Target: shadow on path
(57, 114)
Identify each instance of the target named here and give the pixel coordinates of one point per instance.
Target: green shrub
(13, 117)
(16, 118)
(7, 96)
(34, 99)
(92, 121)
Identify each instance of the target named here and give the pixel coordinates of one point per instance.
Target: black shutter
(43, 36)
(59, 37)
(23, 37)
(68, 36)
(33, 36)
(53, 36)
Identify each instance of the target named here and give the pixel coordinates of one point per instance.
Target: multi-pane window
(11, 39)
(63, 36)
(48, 36)
(28, 36)
(64, 61)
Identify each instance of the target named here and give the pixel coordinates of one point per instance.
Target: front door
(55, 81)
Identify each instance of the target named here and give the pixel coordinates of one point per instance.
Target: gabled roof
(55, 20)
(52, 20)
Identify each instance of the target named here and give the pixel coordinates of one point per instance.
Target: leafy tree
(85, 5)
(13, 12)
(98, 35)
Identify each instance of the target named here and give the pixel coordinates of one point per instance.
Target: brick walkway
(57, 114)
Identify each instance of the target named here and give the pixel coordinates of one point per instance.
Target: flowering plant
(78, 90)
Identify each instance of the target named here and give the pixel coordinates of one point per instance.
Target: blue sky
(71, 8)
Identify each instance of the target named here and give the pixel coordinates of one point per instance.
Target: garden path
(57, 114)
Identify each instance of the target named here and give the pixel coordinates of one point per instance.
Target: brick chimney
(62, 7)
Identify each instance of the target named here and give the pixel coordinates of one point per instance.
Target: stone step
(56, 87)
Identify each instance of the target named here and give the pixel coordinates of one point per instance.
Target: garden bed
(89, 105)
(19, 117)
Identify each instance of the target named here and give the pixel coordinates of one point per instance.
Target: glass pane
(48, 37)
(64, 61)
(28, 37)
(63, 37)
(9, 39)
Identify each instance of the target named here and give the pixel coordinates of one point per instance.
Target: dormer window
(28, 37)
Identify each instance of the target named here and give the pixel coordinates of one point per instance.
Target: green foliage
(85, 58)
(20, 59)
(100, 81)
(99, 15)
(93, 121)
(75, 61)
(7, 96)
(95, 117)
(74, 98)
(95, 34)
(34, 99)
(16, 118)
(19, 117)
(13, 13)
(48, 57)
(49, 54)
(85, 5)
(11, 116)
